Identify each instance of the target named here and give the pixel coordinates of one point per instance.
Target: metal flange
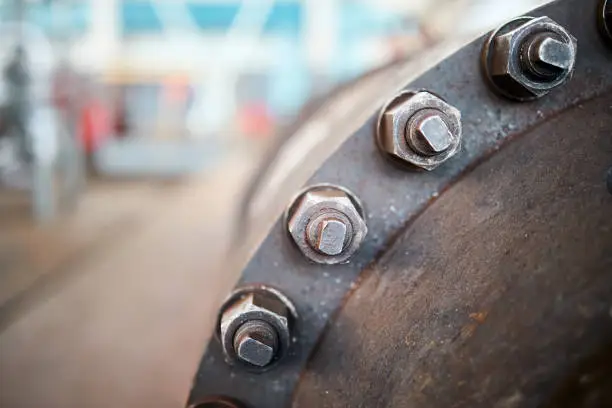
(394, 200)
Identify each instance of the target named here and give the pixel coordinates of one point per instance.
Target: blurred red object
(95, 125)
(255, 120)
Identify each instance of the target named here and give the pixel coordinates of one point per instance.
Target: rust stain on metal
(479, 317)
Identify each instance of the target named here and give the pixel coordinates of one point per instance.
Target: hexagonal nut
(505, 64)
(326, 202)
(395, 119)
(256, 305)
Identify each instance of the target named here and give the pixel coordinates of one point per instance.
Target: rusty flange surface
(394, 198)
(495, 293)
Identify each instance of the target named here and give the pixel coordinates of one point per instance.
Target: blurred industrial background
(128, 129)
(166, 88)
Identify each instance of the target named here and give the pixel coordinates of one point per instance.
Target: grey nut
(255, 328)
(419, 128)
(327, 224)
(528, 57)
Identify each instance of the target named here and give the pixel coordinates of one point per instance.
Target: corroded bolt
(326, 223)
(328, 235)
(419, 128)
(255, 327)
(528, 57)
(429, 135)
(548, 57)
(256, 342)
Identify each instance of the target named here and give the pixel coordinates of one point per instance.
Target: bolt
(548, 57)
(419, 128)
(528, 57)
(326, 223)
(256, 342)
(328, 235)
(255, 326)
(429, 135)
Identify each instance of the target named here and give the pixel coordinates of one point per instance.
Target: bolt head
(528, 57)
(327, 224)
(252, 346)
(431, 135)
(553, 54)
(255, 352)
(420, 129)
(255, 342)
(331, 236)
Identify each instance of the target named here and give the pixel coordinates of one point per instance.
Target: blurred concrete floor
(113, 306)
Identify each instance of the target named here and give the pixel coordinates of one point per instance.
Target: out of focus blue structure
(284, 35)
